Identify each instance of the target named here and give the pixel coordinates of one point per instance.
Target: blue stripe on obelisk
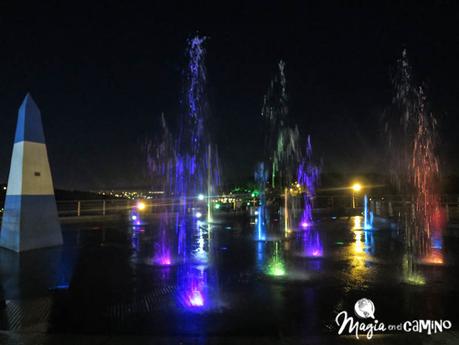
(30, 218)
(26, 226)
(29, 126)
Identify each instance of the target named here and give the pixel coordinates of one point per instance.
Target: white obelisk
(30, 217)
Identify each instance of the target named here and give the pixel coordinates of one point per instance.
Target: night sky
(103, 73)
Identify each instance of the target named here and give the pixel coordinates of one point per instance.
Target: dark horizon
(103, 75)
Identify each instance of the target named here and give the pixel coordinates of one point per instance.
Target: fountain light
(196, 299)
(304, 224)
(164, 261)
(276, 269)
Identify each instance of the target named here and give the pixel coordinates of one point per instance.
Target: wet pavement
(175, 279)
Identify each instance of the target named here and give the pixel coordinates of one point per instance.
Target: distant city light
(201, 197)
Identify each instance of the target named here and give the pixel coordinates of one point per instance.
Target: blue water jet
(367, 215)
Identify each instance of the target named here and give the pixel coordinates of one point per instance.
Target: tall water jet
(307, 177)
(261, 177)
(411, 133)
(274, 112)
(281, 138)
(186, 164)
(282, 146)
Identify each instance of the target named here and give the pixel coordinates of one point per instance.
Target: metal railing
(79, 208)
(384, 206)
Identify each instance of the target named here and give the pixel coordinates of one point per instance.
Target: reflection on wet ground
(173, 277)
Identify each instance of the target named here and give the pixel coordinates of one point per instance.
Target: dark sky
(102, 74)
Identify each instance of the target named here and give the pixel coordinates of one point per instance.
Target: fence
(385, 206)
(77, 208)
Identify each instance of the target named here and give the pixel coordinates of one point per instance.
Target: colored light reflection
(260, 255)
(358, 245)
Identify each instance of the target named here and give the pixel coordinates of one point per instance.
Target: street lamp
(356, 188)
(140, 205)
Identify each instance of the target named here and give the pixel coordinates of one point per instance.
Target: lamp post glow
(140, 206)
(356, 188)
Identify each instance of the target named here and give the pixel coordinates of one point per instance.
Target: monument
(30, 219)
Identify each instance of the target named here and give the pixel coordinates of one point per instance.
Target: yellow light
(141, 206)
(356, 187)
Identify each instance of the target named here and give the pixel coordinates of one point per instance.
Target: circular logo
(364, 308)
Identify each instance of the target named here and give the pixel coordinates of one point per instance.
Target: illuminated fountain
(276, 266)
(411, 132)
(282, 147)
(312, 244)
(197, 280)
(186, 165)
(261, 177)
(367, 215)
(192, 287)
(162, 255)
(308, 177)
